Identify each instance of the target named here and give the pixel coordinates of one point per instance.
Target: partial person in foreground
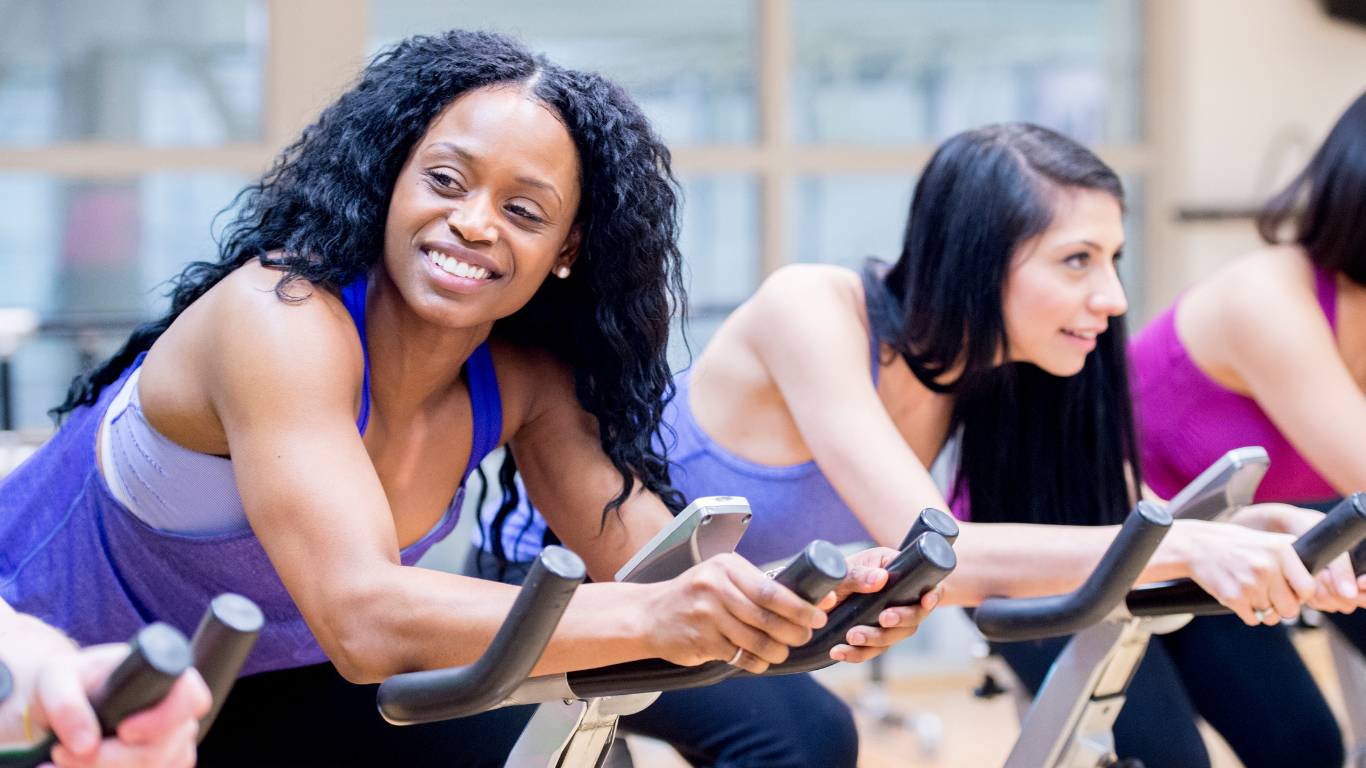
(50, 682)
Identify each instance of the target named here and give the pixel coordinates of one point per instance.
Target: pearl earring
(562, 272)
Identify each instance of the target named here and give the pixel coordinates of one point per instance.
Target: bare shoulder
(1262, 290)
(799, 296)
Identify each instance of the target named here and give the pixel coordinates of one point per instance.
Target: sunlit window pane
(156, 72)
(916, 71)
(92, 258)
(690, 65)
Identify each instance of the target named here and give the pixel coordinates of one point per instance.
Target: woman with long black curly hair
(471, 247)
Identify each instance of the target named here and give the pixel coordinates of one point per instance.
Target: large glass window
(690, 65)
(92, 258)
(915, 71)
(155, 72)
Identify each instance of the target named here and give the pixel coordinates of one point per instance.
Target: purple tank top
(75, 557)
(793, 505)
(1188, 421)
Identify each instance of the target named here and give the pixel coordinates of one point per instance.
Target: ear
(569, 252)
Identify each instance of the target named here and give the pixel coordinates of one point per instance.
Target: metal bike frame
(1071, 723)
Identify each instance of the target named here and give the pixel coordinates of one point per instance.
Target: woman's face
(483, 210)
(1062, 288)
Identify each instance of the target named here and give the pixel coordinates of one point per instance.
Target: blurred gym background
(797, 127)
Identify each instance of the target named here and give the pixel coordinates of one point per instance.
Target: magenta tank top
(1187, 421)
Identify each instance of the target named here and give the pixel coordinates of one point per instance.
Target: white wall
(1242, 91)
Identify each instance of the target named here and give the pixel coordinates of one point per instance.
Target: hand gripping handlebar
(1342, 529)
(158, 655)
(444, 694)
(1033, 618)
(926, 559)
(817, 570)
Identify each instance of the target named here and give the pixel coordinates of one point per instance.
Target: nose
(472, 218)
(1108, 296)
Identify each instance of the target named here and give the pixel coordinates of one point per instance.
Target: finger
(1283, 601)
(771, 608)
(855, 654)
(188, 700)
(758, 650)
(60, 701)
(176, 750)
(1343, 579)
(861, 579)
(1300, 581)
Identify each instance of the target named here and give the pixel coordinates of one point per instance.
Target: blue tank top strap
(353, 297)
(486, 405)
(874, 353)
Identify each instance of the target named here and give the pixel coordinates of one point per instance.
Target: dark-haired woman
(827, 397)
(1270, 351)
(471, 247)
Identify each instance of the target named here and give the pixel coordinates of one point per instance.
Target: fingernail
(1347, 588)
(931, 600)
(890, 619)
(837, 655)
(869, 578)
(857, 638)
(83, 740)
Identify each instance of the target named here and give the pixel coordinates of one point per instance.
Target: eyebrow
(465, 154)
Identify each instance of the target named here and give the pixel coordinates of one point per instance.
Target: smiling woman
(472, 247)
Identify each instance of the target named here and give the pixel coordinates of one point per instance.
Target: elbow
(360, 642)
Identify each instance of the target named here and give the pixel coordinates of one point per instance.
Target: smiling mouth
(1084, 335)
(454, 266)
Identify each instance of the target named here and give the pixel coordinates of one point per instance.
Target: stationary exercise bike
(1070, 723)
(575, 725)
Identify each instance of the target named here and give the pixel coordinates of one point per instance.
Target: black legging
(311, 716)
(1247, 682)
(789, 721)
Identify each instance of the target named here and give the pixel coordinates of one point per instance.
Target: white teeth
(458, 268)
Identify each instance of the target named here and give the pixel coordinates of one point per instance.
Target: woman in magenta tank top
(1271, 351)
(472, 246)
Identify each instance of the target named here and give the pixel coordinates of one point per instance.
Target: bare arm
(284, 379)
(812, 339)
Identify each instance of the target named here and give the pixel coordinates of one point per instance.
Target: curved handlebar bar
(1033, 618)
(817, 570)
(443, 694)
(1342, 529)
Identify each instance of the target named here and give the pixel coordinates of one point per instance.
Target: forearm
(424, 619)
(1020, 560)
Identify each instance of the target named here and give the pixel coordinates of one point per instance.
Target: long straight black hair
(1036, 448)
(323, 205)
(1327, 200)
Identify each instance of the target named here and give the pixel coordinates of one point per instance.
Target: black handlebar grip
(159, 655)
(1034, 618)
(910, 576)
(932, 519)
(1342, 529)
(221, 644)
(445, 694)
(815, 572)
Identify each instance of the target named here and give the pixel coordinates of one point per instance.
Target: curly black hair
(324, 203)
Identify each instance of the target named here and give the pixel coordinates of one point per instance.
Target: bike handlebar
(443, 694)
(922, 564)
(1033, 618)
(1341, 530)
(221, 644)
(816, 571)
